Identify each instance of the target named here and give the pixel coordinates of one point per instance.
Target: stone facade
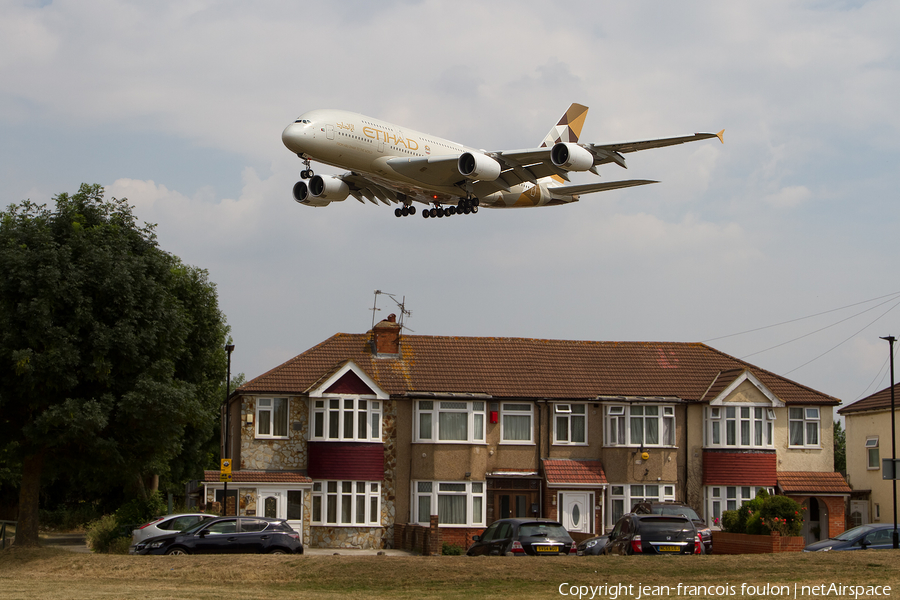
(346, 537)
(389, 484)
(275, 454)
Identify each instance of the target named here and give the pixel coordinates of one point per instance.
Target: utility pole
(895, 539)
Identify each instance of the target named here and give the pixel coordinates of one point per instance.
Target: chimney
(387, 337)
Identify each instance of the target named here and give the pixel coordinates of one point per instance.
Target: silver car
(165, 525)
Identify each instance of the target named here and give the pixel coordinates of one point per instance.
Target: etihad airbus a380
(396, 165)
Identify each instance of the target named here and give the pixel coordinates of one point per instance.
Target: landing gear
(306, 173)
(464, 207)
(405, 211)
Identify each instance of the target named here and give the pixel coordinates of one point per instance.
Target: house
(367, 440)
(868, 442)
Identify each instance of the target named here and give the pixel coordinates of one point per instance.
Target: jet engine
(475, 165)
(303, 195)
(571, 157)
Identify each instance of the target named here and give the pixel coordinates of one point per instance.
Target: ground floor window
(622, 498)
(346, 503)
(720, 498)
(454, 502)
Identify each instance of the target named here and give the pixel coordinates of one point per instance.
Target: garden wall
(744, 543)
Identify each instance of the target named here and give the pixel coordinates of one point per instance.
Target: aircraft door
(329, 132)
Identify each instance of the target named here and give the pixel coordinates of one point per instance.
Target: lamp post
(895, 539)
(227, 451)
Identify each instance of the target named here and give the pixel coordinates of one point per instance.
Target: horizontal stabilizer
(587, 188)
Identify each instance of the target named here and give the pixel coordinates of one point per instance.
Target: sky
(785, 231)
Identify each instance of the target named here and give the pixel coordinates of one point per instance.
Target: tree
(840, 450)
(111, 350)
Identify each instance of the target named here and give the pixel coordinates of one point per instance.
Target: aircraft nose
(293, 136)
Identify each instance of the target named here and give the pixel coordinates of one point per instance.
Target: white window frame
(426, 496)
(618, 422)
(265, 415)
(564, 429)
(427, 420)
(872, 445)
(747, 425)
(345, 414)
(720, 498)
(623, 497)
(811, 418)
(328, 493)
(512, 410)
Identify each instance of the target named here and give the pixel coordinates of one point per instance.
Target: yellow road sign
(224, 476)
(226, 465)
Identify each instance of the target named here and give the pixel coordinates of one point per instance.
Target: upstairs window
(740, 426)
(449, 421)
(640, 425)
(346, 419)
(872, 456)
(271, 417)
(515, 423)
(803, 426)
(570, 424)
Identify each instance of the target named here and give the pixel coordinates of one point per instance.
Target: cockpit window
(304, 121)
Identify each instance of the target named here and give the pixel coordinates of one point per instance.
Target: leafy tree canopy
(111, 350)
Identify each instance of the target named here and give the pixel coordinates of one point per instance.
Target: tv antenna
(401, 304)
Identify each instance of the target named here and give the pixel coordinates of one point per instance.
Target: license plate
(670, 548)
(546, 549)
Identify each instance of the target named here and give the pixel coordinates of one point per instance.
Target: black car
(592, 546)
(654, 534)
(228, 535)
(520, 537)
(872, 536)
(677, 508)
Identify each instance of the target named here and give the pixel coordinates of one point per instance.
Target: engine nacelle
(302, 196)
(474, 165)
(328, 188)
(571, 157)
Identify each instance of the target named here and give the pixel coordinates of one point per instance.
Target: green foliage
(111, 350)
(120, 545)
(765, 514)
(452, 549)
(840, 448)
(69, 518)
(102, 533)
(140, 510)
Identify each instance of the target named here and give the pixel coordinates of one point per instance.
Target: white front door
(859, 512)
(272, 504)
(577, 513)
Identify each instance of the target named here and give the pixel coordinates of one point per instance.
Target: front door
(515, 504)
(271, 504)
(576, 511)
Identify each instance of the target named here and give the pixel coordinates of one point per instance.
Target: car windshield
(686, 511)
(549, 530)
(851, 534)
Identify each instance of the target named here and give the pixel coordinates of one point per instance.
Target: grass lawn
(49, 573)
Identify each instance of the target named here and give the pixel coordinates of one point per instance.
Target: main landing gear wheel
(464, 207)
(405, 211)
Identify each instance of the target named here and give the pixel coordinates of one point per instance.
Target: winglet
(721, 136)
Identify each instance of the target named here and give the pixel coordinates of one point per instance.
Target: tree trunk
(29, 497)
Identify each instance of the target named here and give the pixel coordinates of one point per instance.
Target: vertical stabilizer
(569, 127)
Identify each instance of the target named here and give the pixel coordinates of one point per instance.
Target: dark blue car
(872, 537)
(228, 535)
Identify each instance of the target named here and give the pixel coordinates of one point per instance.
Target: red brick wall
(430, 540)
(837, 514)
(742, 543)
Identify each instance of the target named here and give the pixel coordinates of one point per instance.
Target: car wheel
(177, 551)
(278, 551)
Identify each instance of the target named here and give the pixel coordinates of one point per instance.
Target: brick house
(362, 439)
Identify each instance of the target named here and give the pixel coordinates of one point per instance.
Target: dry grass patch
(52, 573)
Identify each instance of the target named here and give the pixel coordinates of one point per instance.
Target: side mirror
(476, 538)
(204, 533)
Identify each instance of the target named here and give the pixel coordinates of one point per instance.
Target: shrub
(451, 549)
(101, 533)
(730, 521)
(120, 545)
(765, 514)
(139, 511)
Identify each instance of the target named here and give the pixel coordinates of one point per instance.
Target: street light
(226, 453)
(895, 539)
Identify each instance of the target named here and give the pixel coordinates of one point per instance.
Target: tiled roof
(739, 468)
(259, 477)
(524, 367)
(559, 471)
(797, 482)
(877, 401)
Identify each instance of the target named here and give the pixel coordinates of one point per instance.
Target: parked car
(592, 546)
(865, 537)
(520, 537)
(228, 535)
(654, 534)
(167, 524)
(679, 508)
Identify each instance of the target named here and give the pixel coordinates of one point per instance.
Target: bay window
(622, 498)
(740, 426)
(346, 503)
(350, 419)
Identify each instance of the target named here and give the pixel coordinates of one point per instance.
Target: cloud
(789, 197)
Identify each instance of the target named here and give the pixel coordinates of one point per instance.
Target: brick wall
(743, 543)
(429, 540)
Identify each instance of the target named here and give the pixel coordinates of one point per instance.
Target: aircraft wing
(607, 153)
(587, 188)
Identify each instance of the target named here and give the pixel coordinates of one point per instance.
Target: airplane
(396, 165)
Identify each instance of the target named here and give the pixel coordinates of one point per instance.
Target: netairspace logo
(613, 591)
